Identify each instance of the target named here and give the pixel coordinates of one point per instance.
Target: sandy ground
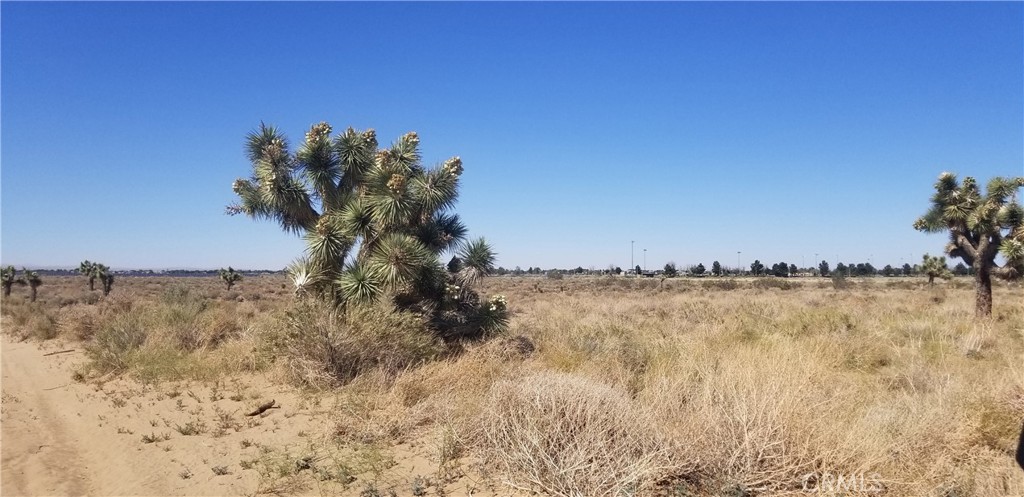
(61, 437)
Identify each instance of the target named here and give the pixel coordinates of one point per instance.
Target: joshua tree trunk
(983, 288)
(931, 280)
(33, 298)
(229, 284)
(92, 284)
(7, 289)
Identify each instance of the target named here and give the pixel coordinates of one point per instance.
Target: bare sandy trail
(53, 441)
(65, 438)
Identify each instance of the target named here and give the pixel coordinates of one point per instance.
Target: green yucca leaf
(1010, 216)
(1012, 250)
(360, 284)
(477, 261)
(441, 233)
(356, 155)
(398, 257)
(405, 153)
(327, 244)
(947, 182)
(320, 166)
(355, 219)
(1000, 190)
(434, 191)
(306, 278)
(958, 212)
(389, 210)
(257, 141)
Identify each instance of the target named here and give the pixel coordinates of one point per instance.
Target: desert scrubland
(598, 386)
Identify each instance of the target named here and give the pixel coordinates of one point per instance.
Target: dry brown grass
(684, 387)
(566, 435)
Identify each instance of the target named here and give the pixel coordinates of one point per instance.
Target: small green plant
(370, 490)
(191, 428)
(185, 474)
(419, 486)
(220, 470)
(153, 438)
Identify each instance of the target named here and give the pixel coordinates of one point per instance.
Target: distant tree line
(757, 268)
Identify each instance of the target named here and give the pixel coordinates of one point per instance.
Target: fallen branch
(59, 352)
(259, 410)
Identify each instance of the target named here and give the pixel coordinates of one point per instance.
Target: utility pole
(631, 266)
(645, 260)
(739, 267)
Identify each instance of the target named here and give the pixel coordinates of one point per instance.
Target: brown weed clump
(570, 436)
(326, 347)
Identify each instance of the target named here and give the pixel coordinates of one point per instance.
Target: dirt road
(119, 438)
(54, 441)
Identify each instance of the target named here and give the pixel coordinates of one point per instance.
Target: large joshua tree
(376, 223)
(980, 226)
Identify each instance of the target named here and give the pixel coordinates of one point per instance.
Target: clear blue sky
(696, 129)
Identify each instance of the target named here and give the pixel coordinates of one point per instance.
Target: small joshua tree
(980, 226)
(935, 267)
(30, 278)
(88, 269)
(7, 275)
(230, 276)
(106, 277)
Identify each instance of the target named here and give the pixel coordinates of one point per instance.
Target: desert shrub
(42, 326)
(116, 340)
(324, 346)
(755, 418)
(766, 283)
(179, 318)
(723, 284)
(839, 281)
(78, 321)
(219, 324)
(569, 436)
(30, 320)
